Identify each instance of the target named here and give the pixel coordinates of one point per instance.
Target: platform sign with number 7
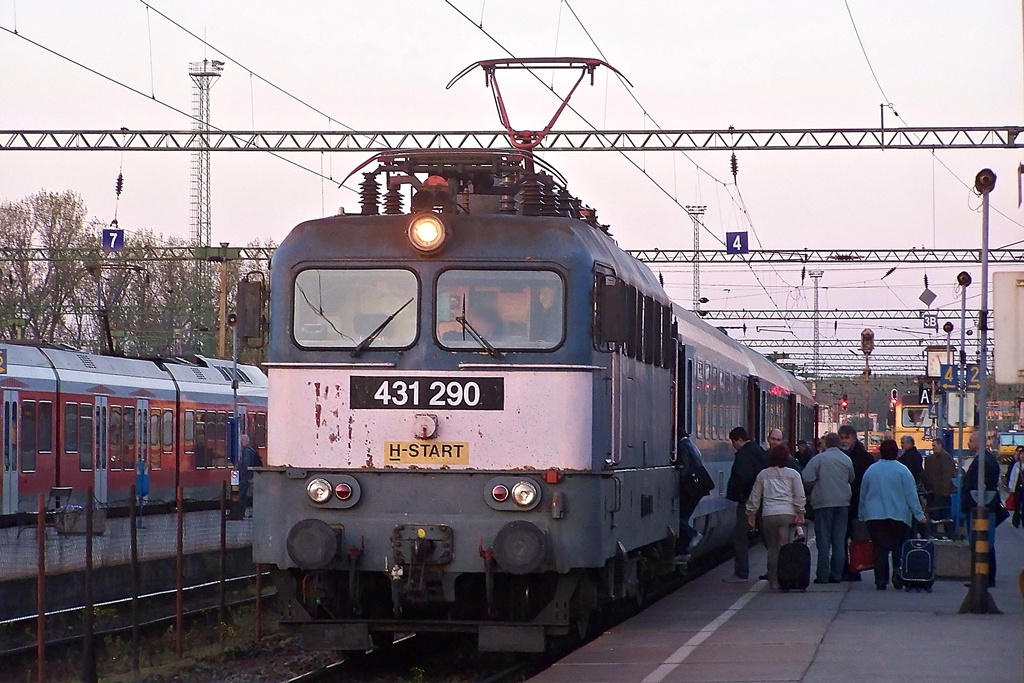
(113, 240)
(736, 243)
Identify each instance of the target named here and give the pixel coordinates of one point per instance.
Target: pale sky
(383, 65)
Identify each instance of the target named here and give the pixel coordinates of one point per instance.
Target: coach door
(102, 457)
(11, 447)
(684, 391)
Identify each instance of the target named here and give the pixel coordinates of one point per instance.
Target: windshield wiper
(356, 352)
(466, 325)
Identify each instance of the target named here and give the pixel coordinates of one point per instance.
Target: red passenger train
(75, 420)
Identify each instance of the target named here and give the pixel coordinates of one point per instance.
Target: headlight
(319, 490)
(524, 493)
(426, 232)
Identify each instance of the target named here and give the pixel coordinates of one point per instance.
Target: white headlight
(319, 490)
(524, 493)
(426, 232)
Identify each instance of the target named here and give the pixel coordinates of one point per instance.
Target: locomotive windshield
(507, 309)
(343, 308)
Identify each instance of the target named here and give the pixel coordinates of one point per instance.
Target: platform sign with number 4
(113, 240)
(736, 243)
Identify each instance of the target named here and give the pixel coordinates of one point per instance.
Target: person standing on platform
(912, 459)
(779, 493)
(1015, 484)
(862, 460)
(969, 489)
(939, 470)
(750, 460)
(804, 453)
(829, 476)
(889, 504)
(248, 459)
(775, 438)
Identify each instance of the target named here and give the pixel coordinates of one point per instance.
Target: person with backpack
(750, 460)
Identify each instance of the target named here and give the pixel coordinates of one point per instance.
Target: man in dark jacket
(750, 460)
(912, 459)
(939, 470)
(968, 491)
(862, 460)
(803, 453)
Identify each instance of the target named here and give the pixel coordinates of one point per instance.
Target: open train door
(11, 448)
(755, 409)
(102, 456)
(684, 391)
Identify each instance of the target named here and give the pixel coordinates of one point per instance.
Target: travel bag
(917, 564)
(794, 570)
(862, 556)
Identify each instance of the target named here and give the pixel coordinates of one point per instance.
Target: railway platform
(157, 550)
(710, 630)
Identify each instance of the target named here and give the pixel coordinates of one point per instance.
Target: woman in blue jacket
(889, 504)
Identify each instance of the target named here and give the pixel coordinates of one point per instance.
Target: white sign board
(1008, 305)
(953, 409)
(937, 357)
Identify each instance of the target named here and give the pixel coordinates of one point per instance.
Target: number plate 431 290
(427, 393)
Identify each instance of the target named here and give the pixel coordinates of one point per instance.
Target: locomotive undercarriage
(336, 608)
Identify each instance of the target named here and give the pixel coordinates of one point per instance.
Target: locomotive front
(432, 400)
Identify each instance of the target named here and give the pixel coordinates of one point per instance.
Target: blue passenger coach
(474, 409)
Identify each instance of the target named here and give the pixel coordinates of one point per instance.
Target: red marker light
(343, 491)
(499, 493)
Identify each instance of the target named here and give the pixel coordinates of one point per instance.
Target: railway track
(426, 657)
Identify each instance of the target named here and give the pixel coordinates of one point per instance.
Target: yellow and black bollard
(978, 600)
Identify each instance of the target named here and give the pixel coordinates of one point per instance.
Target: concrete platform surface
(158, 539)
(715, 631)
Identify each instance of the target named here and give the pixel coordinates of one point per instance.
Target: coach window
(45, 427)
(28, 436)
(154, 439)
(168, 436)
(85, 437)
(201, 453)
(116, 438)
(222, 437)
(341, 309)
(129, 438)
(190, 431)
(261, 430)
(70, 427)
(506, 309)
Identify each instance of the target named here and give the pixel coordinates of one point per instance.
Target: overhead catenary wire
(157, 100)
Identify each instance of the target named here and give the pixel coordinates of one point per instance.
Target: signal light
(844, 402)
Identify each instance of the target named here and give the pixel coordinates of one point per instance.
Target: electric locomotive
(474, 409)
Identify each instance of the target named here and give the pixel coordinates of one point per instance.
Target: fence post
(88, 649)
(133, 513)
(41, 592)
(259, 602)
(222, 615)
(179, 608)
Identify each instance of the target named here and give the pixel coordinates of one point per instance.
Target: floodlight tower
(204, 74)
(696, 212)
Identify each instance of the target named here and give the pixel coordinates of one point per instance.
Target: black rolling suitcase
(917, 567)
(795, 563)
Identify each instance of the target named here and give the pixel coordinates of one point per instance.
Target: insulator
(734, 166)
(562, 205)
(533, 197)
(393, 201)
(369, 195)
(550, 195)
(119, 184)
(575, 207)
